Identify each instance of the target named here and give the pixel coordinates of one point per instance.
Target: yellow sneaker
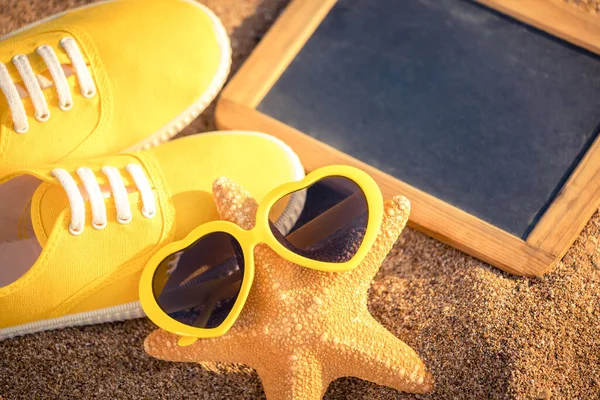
(74, 237)
(113, 76)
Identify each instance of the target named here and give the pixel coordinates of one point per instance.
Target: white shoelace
(96, 197)
(34, 88)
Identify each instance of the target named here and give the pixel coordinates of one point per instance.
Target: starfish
(300, 329)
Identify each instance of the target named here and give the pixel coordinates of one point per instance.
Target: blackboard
(483, 113)
(453, 98)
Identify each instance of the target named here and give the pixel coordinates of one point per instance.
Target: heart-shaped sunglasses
(198, 286)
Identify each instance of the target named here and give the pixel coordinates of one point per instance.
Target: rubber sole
(112, 314)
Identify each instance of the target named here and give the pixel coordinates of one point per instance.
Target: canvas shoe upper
(112, 76)
(74, 237)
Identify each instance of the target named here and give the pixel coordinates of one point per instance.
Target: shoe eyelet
(74, 231)
(43, 117)
(21, 130)
(147, 214)
(66, 106)
(90, 93)
(18, 57)
(63, 41)
(43, 47)
(99, 226)
(125, 221)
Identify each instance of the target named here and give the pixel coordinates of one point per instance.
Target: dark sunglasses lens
(333, 224)
(199, 285)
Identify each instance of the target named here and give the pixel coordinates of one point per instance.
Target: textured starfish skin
(301, 329)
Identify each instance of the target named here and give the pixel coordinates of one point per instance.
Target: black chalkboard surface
(453, 98)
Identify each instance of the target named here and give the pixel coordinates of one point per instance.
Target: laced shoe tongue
(11, 46)
(45, 81)
(85, 199)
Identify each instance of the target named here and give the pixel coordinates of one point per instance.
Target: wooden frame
(559, 226)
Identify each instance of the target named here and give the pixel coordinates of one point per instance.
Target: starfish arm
(395, 216)
(294, 378)
(234, 203)
(372, 353)
(163, 345)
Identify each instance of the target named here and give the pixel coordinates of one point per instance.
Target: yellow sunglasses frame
(249, 239)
